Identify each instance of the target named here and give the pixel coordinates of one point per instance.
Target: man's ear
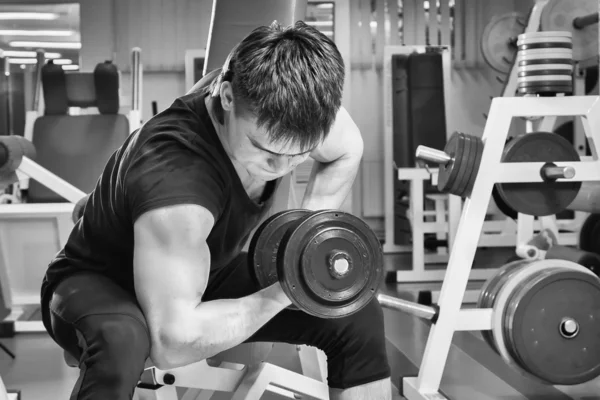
(226, 93)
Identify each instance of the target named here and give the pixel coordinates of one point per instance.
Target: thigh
(81, 297)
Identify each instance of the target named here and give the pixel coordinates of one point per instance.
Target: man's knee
(356, 350)
(118, 345)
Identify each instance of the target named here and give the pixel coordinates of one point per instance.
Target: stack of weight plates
(545, 63)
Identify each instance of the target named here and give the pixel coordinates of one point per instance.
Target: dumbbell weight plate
(589, 235)
(455, 148)
(547, 89)
(533, 319)
(539, 198)
(473, 167)
(264, 245)
(489, 291)
(306, 272)
(502, 298)
(458, 176)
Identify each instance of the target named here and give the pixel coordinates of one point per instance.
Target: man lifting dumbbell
(154, 267)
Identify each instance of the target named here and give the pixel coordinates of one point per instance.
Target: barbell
(330, 264)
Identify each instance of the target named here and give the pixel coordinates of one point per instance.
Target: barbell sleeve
(409, 307)
(553, 172)
(585, 21)
(434, 156)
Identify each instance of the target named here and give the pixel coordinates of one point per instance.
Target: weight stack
(545, 63)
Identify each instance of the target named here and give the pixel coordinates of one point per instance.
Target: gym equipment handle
(586, 20)
(409, 307)
(432, 155)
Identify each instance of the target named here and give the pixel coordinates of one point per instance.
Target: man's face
(250, 146)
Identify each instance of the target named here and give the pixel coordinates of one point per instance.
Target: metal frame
(247, 382)
(23, 307)
(426, 385)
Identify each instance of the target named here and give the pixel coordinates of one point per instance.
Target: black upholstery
(76, 148)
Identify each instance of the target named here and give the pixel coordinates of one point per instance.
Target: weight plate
(564, 68)
(544, 40)
(463, 167)
(508, 288)
(545, 72)
(545, 61)
(502, 206)
(539, 198)
(473, 166)
(496, 47)
(547, 46)
(490, 289)
(589, 235)
(558, 15)
(551, 329)
(331, 264)
(262, 251)
(538, 56)
(543, 52)
(545, 78)
(533, 41)
(545, 34)
(551, 89)
(567, 84)
(448, 173)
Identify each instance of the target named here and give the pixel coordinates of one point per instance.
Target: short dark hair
(290, 78)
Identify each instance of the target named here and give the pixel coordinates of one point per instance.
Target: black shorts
(89, 312)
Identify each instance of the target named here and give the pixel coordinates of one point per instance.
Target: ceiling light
(46, 45)
(325, 5)
(33, 32)
(9, 16)
(34, 61)
(319, 23)
(70, 67)
(19, 53)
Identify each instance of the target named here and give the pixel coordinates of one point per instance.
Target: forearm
(218, 325)
(330, 183)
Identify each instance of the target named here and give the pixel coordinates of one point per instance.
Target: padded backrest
(80, 89)
(75, 148)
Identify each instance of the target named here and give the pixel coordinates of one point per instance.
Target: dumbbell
(329, 263)
(544, 312)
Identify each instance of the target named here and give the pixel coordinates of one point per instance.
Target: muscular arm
(171, 267)
(336, 164)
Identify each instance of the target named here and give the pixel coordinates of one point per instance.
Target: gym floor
(473, 370)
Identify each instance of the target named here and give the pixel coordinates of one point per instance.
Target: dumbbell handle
(586, 20)
(431, 155)
(409, 307)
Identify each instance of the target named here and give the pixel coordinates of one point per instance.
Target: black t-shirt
(175, 158)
